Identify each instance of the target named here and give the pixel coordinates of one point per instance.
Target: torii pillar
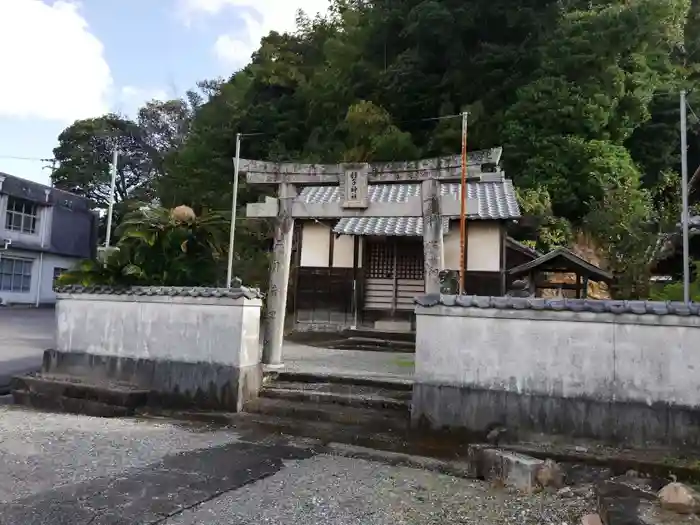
(273, 330)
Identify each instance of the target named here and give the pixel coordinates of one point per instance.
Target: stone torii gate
(354, 180)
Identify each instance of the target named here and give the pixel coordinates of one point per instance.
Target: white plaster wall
(183, 329)
(315, 246)
(343, 249)
(483, 246)
(42, 277)
(608, 357)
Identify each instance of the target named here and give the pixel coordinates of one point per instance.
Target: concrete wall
(315, 247)
(483, 246)
(199, 347)
(620, 376)
(42, 277)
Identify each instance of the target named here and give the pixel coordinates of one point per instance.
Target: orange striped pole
(463, 207)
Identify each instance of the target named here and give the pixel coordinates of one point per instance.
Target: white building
(43, 231)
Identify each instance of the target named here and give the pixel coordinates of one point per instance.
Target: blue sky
(79, 59)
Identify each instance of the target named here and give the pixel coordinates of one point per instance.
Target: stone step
(394, 384)
(381, 334)
(69, 405)
(372, 344)
(83, 389)
(339, 394)
(367, 418)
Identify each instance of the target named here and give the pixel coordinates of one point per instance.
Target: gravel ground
(41, 451)
(330, 490)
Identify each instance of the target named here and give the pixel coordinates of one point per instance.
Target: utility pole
(234, 200)
(684, 192)
(463, 209)
(110, 211)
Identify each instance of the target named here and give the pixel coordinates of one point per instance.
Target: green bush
(674, 291)
(159, 247)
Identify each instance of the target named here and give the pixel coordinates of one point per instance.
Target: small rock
(566, 492)
(584, 491)
(550, 475)
(591, 519)
(679, 498)
(581, 449)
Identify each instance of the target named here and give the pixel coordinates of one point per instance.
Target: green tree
(84, 155)
(597, 77)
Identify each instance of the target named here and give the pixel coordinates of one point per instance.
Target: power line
(34, 159)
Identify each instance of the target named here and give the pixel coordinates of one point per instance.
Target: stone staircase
(78, 395)
(358, 339)
(373, 404)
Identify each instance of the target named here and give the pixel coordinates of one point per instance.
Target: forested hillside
(582, 95)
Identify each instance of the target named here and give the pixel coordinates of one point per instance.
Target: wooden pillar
(503, 261)
(355, 281)
(432, 235)
(279, 278)
(578, 286)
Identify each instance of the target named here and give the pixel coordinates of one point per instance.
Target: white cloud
(132, 98)
(261, 17)
(52, 66)
(130, 94)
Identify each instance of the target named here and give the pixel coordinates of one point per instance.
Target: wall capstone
(558, 305)
(236, 292)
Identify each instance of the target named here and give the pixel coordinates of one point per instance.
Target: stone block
(514, 470)
(390, 325)
(591, 519)
(679, 498)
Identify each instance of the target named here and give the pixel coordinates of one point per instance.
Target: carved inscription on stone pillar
(356, 186)
(432, 235)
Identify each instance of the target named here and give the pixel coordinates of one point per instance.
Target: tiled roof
(571, 305)
(183, 291)
(389, 226)
(496, 201)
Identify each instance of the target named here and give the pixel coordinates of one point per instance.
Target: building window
(15, 274)
(57, 273)
(22, 215)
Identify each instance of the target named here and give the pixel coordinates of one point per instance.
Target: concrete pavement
(62, 469)
(24, 335)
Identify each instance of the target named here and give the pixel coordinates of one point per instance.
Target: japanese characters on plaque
(355, 189)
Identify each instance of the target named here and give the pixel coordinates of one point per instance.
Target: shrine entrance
(396, 268)
(395, 274)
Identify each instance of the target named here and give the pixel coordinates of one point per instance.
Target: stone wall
(190, 346)
(614, 370)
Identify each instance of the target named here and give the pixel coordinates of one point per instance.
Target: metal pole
(236, 162)
(684, 190)
(110, 211)
(463, 208)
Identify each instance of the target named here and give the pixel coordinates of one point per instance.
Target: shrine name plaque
(355, 189)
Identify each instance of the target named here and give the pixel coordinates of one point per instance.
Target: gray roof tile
(496, 201)
(196, 291)
(572, 305)
(389, 226)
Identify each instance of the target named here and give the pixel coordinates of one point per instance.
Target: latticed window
(15, 274)
(22, 215)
